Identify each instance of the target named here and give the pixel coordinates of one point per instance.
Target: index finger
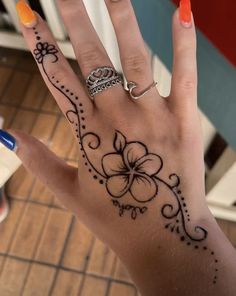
(68, 92)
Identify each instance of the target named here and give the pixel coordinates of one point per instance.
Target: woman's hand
(128, 149)
(140, 182)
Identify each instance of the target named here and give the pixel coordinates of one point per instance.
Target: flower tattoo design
(43, 49)
(130, 171)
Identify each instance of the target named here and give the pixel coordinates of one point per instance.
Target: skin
(158, 262)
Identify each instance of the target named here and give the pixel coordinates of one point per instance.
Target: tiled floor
(44, 250)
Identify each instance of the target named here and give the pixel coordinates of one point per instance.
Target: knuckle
(59, 72)
(136, 63)
(89, 57)
(122, 16)
(188, 83)
(70, 7)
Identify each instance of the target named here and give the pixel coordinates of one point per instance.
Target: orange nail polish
(26, 14)
(185, 13)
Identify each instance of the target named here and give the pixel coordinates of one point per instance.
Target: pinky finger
(184, 79)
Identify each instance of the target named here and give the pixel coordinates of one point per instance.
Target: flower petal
(40, 60)
(150, 164)
(50, 47)
(39, 46)
(143, 188)
(113, 164)
(52, 50)
(118, 185)
(38, 55)
(36, 51)
(45, 45)
(133, 152)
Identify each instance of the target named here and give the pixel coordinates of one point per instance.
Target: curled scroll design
(179, 212)
(169, 211)
(69, 115)
(91, 140)
(175, 179)
(200, 234)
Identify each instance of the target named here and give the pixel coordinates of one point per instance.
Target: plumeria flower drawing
(131, 169)
(43, 49)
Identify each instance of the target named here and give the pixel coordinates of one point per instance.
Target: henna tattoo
(43, 49)
(129, 170)
(179, 213)
(76, 115)
(134, 209)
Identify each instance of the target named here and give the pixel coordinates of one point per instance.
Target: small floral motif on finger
(43, 49)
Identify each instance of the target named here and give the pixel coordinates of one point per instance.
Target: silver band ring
(132, 85)
(101, 79)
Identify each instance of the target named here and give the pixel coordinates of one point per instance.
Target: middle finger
(88, 48)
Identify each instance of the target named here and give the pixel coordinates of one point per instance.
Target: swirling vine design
(169, 211)
(94, 141)
(130, 168)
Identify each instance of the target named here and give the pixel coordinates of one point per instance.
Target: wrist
(170, 264)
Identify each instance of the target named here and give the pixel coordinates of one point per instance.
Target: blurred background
(44, 249)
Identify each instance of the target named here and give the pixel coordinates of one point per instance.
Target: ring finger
(134, 55)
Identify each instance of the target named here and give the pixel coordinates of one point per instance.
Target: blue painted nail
(7, 140)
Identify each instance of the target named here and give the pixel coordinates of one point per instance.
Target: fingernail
(185, 14)
(26, 14)
(7, 140)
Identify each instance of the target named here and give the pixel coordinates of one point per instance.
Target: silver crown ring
(101, 79)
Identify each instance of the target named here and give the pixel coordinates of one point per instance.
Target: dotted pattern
(179, 192)
(80, 110)
(80, 125)
(176, 226)
(38, 38)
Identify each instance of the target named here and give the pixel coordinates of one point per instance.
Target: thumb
(52, 171)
